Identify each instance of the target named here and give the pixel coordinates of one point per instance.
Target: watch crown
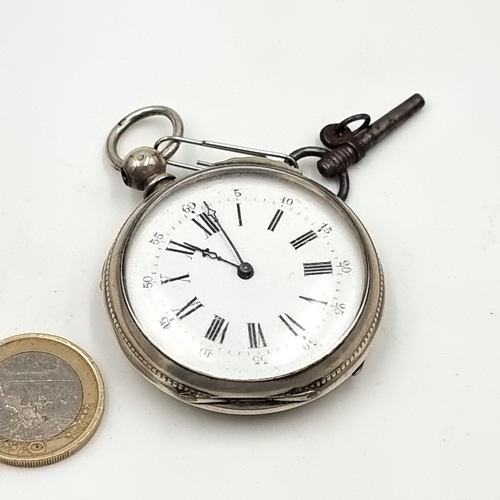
(140, 165)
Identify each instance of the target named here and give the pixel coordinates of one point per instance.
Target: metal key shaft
(350, 147)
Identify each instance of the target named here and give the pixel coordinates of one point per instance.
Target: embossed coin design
(51, 399)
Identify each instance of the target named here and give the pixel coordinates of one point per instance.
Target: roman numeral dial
(246, 276)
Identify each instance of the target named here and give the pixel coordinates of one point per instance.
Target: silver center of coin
(40, 396)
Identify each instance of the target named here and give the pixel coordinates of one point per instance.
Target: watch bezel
(237, 396)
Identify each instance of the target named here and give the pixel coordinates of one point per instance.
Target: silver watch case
(231, 396)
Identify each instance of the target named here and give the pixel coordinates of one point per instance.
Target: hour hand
(206, 252)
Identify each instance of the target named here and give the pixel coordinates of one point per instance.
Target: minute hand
(213, 214)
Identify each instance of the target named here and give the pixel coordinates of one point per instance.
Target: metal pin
(350, 147)
(222, 146)
(203, 163)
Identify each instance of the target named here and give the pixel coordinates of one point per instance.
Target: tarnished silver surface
(243, 397)
(139, 114)
(40, 396)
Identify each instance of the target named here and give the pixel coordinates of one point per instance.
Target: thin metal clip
(200, 164)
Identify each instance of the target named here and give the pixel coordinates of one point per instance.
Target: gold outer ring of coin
(83, 427)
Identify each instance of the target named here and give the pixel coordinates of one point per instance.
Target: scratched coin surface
(51, 399)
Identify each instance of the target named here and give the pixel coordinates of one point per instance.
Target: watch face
(245, 274)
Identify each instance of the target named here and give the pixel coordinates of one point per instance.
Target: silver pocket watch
(245, 287)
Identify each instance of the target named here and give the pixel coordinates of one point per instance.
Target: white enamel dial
(294, 304)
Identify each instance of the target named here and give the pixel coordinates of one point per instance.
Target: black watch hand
(245, 269)
(206, 252)
(213, 214)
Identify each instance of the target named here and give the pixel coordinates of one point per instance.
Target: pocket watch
(245, 287)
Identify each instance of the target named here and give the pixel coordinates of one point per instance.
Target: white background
(423, 419)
